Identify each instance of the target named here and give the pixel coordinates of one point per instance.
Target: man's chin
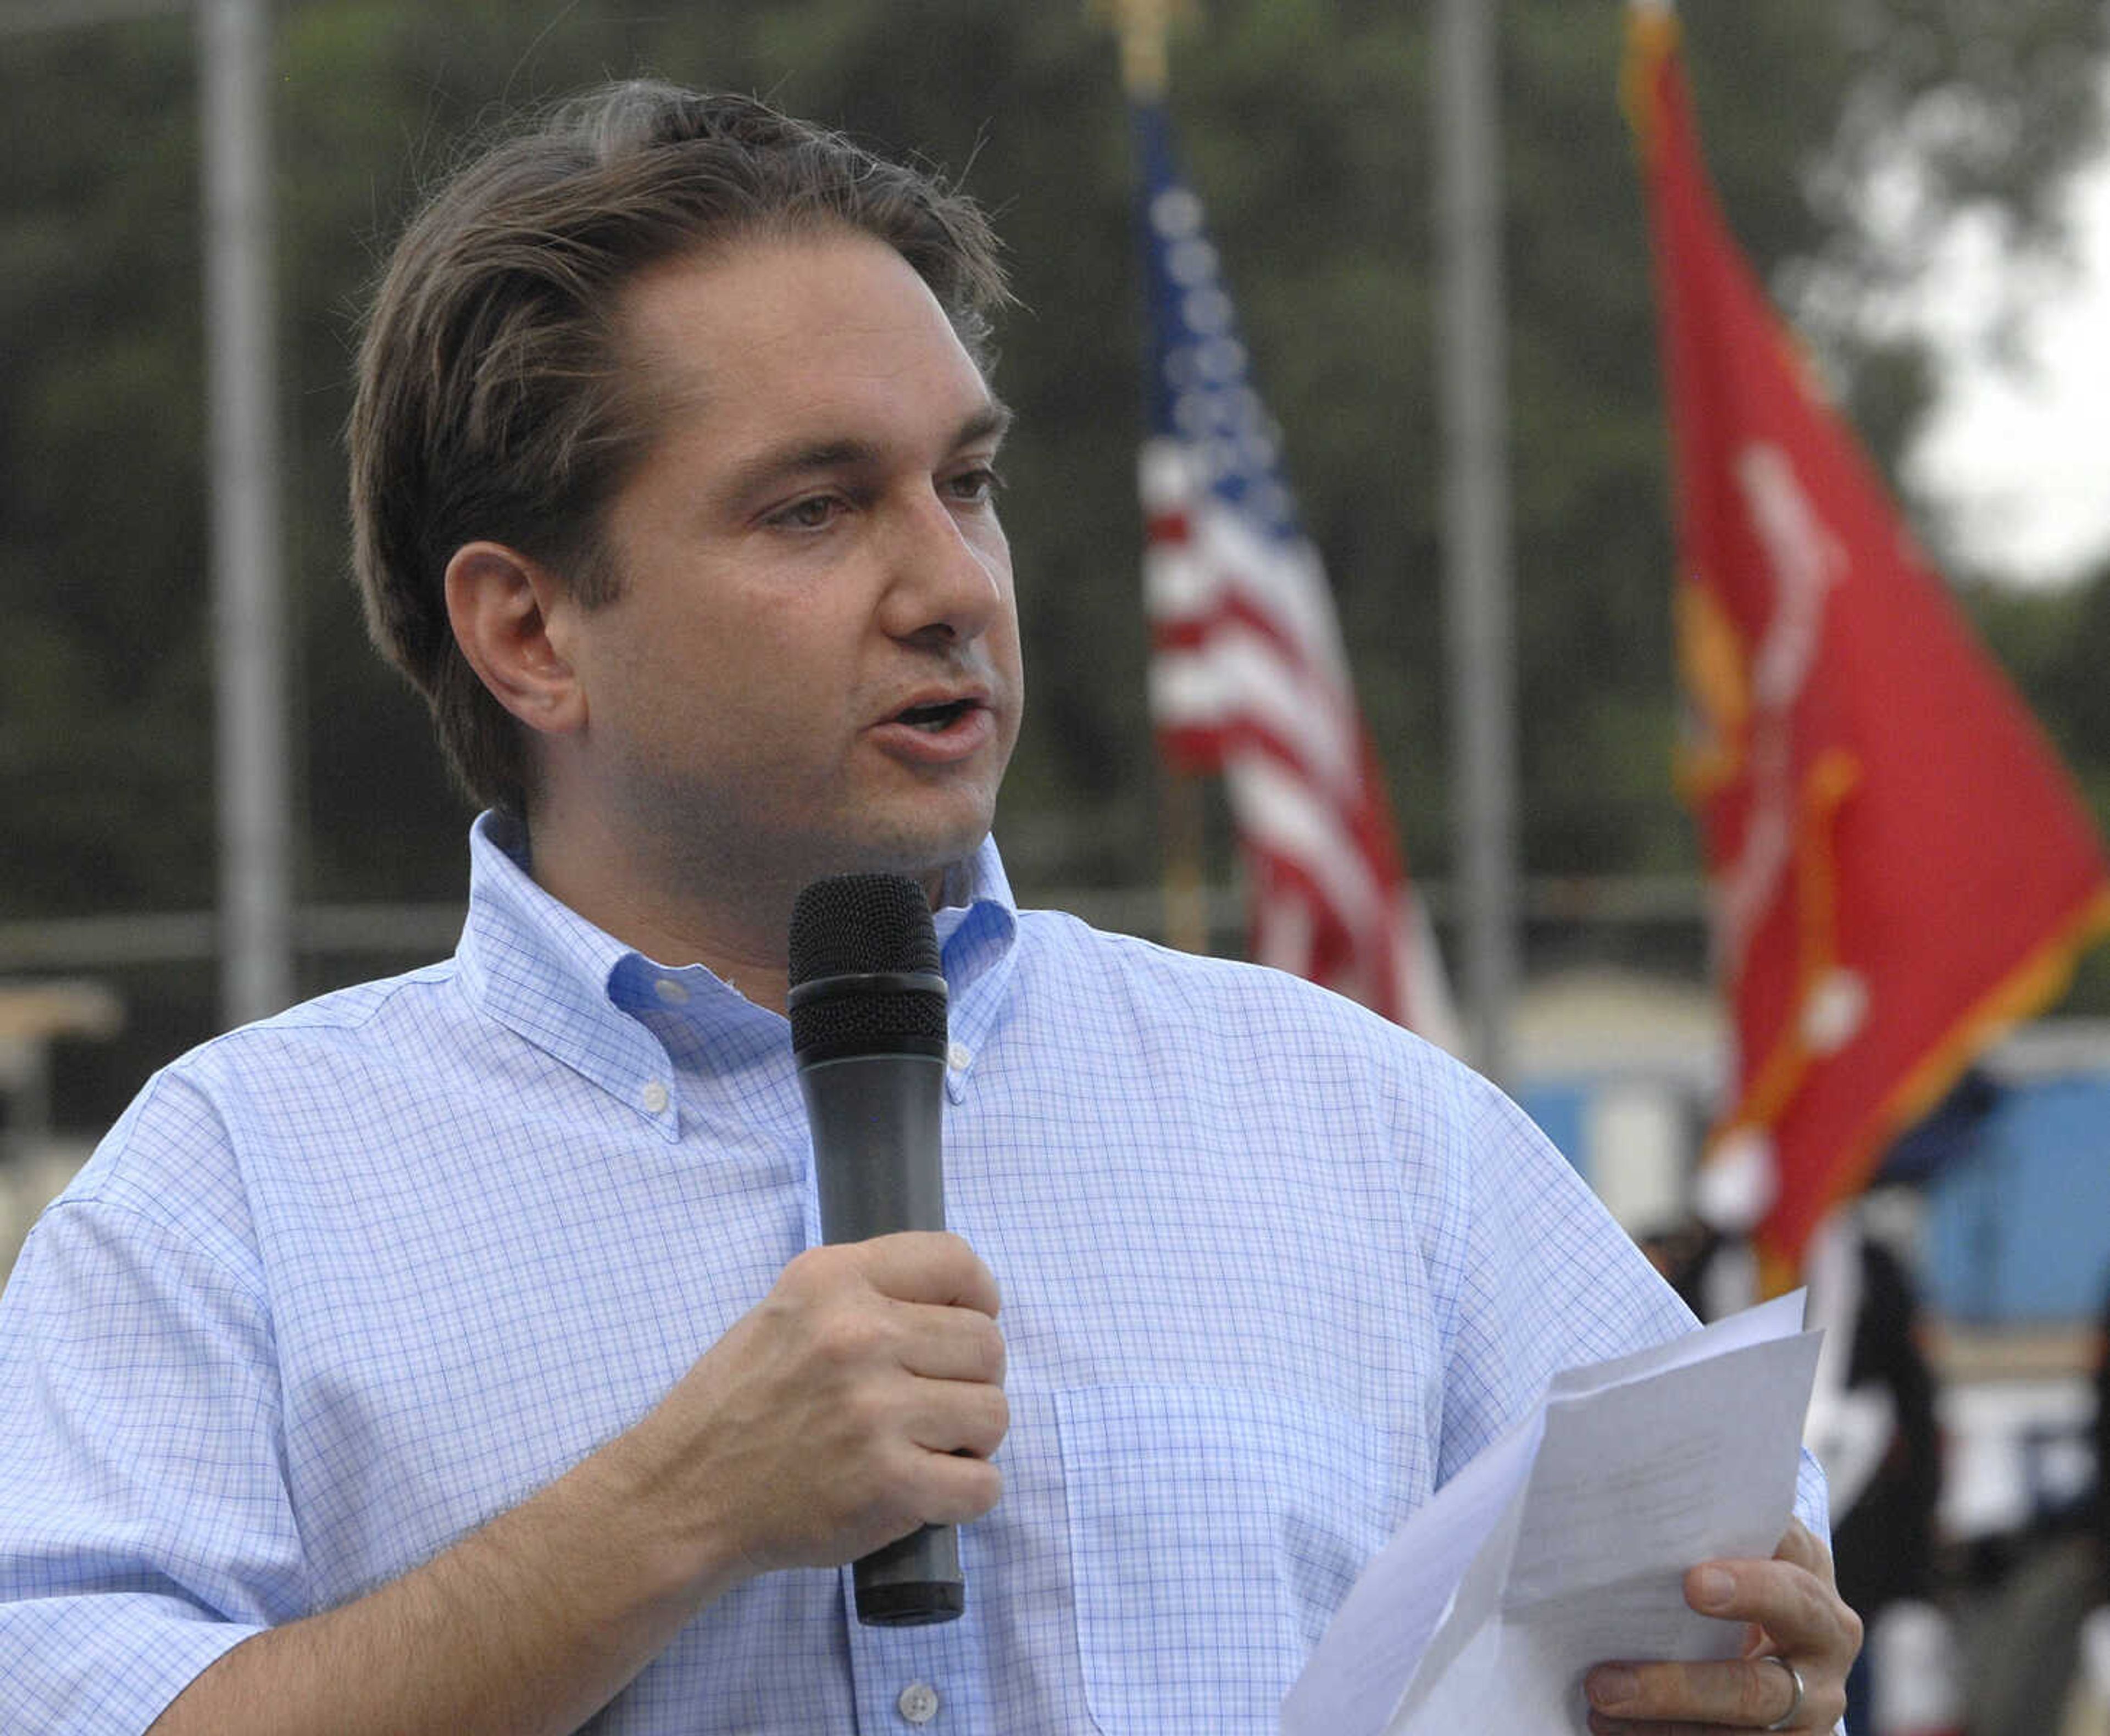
(927, 856)
(930, 865)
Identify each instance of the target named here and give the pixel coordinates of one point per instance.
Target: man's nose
(950, 577)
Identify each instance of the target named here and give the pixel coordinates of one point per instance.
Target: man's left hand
(1795, 1616)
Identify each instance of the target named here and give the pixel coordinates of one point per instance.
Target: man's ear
(500, 603)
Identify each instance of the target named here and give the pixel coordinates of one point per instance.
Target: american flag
(1248, 678)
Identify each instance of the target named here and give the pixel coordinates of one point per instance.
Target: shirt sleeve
(145, 1527)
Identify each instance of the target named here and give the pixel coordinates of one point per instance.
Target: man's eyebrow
(798, 457)
(991, 422)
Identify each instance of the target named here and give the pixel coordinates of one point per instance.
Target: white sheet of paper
(1565, 1543)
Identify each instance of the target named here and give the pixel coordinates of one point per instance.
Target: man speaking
(462, 1353)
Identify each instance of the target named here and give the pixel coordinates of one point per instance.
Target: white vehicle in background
(36, 1161)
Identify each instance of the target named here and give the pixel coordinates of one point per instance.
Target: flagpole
(248, 611)
(1477, 562)
(1144, 29)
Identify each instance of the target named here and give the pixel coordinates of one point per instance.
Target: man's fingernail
(1610, 1689)
(1712, 1588)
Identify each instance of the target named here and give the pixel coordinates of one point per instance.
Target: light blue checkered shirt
(341, 1286)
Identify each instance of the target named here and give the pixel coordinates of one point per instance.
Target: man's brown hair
(492, 401)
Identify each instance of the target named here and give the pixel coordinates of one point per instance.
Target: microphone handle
(914, 1581)
(878, 1162)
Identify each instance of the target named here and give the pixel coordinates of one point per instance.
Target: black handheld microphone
(867, 1008)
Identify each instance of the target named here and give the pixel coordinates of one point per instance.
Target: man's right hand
(861, 1398)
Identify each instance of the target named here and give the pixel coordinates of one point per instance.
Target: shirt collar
(575, 991)
(977, 925)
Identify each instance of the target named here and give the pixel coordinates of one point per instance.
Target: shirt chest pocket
(1212, 1533)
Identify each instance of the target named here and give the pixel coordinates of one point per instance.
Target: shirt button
(653, 1096)
(958, 1056)
(918, 1703)
(670, 992)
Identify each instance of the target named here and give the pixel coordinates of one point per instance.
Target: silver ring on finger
(1795, 1679)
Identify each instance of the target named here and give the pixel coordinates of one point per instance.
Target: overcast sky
(2019, 457)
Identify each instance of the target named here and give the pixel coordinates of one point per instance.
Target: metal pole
(1480, 627)
(248, 624)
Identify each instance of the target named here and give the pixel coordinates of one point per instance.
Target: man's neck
(736, 925)
(740, 939)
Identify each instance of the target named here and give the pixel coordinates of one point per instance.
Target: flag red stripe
(1235, 603)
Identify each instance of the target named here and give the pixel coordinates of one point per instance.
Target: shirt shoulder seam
(97, 1198)
(349, 1009)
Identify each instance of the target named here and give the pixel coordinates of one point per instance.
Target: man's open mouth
(935, 717)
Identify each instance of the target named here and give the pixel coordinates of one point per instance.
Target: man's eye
(976, 486)
(813, 514)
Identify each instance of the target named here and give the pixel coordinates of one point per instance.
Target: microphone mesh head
(863, 924)
(854, 923)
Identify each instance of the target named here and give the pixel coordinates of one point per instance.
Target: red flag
(1248, 675)
(1898, 867)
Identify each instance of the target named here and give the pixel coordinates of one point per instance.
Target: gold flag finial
(1145, 28)
(1652, 34)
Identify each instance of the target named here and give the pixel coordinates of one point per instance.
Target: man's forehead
(772, 283)
(818, 376)
(810, 348)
